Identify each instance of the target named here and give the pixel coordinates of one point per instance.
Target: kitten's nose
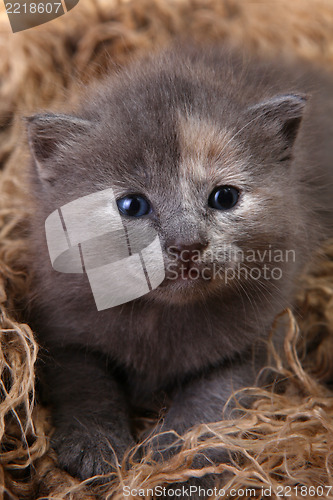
(186, 250)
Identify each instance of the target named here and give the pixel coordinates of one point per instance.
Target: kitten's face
(216, 191)
(218, 216)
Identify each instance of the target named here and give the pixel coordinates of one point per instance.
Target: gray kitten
(228, 160)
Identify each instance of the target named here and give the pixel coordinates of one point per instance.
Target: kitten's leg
(90, 412)
(202, 400)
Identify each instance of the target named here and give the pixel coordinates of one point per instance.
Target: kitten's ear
(281, 115)
(48, 134)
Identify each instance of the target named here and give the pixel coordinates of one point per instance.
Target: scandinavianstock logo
(88, 235)
(26, 14)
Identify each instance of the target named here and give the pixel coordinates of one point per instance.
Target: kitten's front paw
(164, 444)
(86, 452)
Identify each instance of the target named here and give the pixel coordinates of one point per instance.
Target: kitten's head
(208, 169)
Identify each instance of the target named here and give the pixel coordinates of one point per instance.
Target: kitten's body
(173, 128)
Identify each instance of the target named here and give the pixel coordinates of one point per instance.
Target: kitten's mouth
(187, 282)
(187, 273)
(184, 283)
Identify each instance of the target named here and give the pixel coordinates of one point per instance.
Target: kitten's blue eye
(133, 205)
(223, 197)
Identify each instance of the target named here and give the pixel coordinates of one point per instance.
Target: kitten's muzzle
(186, 252)
(186, 256)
